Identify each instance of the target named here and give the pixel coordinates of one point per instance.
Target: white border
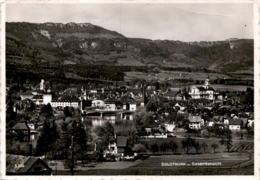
(2, 91)
(257, 90)
(256, 87)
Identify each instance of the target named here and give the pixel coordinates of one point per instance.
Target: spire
(206, 83)
(42, 86)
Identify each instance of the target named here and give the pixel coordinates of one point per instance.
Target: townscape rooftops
(66, 99)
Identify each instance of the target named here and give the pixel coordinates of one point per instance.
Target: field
(238, 145)
(220, 87)
(167, 75)
(217, 160)
(225, 164)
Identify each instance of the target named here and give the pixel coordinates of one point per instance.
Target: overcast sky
(185, 22)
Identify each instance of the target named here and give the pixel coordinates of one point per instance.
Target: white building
(250, 123)
(26, 95)
(203, 92)
(64, 104)
(129, 107)
(235, 125)
(195, 122)
(169, 127)
(42, 86)
(47, 98)
(98, 103)
(132, 107)
(110, 106)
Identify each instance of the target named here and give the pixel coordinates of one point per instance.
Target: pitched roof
(110, 101)
(127, 99)
(202, 88)
(37, 97)
(121, 141)
(22, 164)
(235, 122)
(20, 126)
(218, 118)
(171, 93)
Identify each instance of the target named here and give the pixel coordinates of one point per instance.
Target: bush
(154, 148)
(139, 148)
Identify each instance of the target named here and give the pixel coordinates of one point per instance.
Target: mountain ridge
(85, 43)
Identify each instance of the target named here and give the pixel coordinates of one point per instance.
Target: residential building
(235, 125)
(98, 103)
(195, 122)
(26, 165)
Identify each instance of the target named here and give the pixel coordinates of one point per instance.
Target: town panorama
(85, 100)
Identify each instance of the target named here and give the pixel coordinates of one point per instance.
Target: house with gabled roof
(195, 122)
(26, 165)
(117, 146)
(234, 125)
(26, 95)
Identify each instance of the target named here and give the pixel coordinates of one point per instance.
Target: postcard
(127, 89)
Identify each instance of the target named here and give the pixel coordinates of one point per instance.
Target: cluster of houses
(234, 123)
(42, 96)
(107, 104)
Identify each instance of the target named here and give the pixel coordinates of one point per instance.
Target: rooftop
(121, 141)
(22, 164)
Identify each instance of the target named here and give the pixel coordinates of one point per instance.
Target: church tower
(206, 86)
(42, 86)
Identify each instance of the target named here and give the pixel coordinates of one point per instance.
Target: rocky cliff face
(85, 43)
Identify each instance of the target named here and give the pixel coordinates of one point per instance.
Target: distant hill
(85, 43)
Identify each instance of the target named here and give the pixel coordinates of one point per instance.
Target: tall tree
(214, 147)
(48, 137)
(188, 143)
(197, 147)
(63, 143)
(104, 133)
(173, 145)
(226, 139)
(204, 146)
(47, 111)
(142, 119)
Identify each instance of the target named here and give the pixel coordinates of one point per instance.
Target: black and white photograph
(154, 89)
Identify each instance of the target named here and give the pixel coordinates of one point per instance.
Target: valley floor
(216, 164)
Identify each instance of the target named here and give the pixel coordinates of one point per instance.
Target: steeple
(206, 83)
(42, 86)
